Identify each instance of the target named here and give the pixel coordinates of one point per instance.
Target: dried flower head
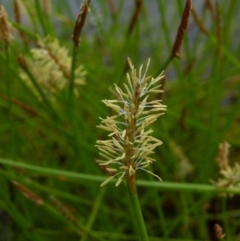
(222, 158)
(176, 50)
(230, 175)
(5, 27)
(28, 193)
(84, 10)
(218, 231)
(51, 66)
(130, 144)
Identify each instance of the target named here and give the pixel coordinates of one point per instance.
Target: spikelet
(28, 193)
(51, 66)
(230, 174)
(131, 143)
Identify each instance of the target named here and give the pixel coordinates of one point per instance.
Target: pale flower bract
(131, 144)
(51, 66)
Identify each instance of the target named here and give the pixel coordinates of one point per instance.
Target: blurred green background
(51, 155)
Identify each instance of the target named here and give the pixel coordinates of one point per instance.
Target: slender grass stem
(165, 64)
(43, 96)
(9, 94)
(71, 100)
(94, 212)
(25, 30)
(41, 17)
(164, 186)
(71, 81)
(138, 215)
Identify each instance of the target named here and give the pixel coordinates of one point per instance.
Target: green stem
(41, 17)
(9, 94)
(94, 212)
(71, 102)
(43, 96)
(166, 63)
(167, 186)
(71, 81)
(138, 213)
(25, 30)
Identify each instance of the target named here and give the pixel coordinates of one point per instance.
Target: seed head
(131, 143)
(230, 177)
(51, 66)
(218, 231)
(230, 174)
(5, 27)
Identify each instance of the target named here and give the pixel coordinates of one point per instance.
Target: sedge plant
(131, 143)
(47, 118)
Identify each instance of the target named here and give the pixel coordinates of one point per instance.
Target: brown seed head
(218, 231)
(5, 27)
(176, 50)
(28, 194)
(222, 158)
(137, 10)
(84, 10)
(22, 62)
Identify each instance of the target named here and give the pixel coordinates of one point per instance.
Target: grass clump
(57, 64)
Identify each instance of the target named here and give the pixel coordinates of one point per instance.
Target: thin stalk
(167, 186)
(165, 30)
(71, 104)
(196, 205)
(79, 229)
(71, 81)
(24, 30)
(94, 212)
(36, 85)
(138, 214)
(226, 52)
(225, 218)
(165, 64)
(158, 200)
(9, 94)
(41, 17)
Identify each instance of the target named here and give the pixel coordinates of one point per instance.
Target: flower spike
(131, 144)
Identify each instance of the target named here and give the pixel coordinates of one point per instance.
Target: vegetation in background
(51, 86)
